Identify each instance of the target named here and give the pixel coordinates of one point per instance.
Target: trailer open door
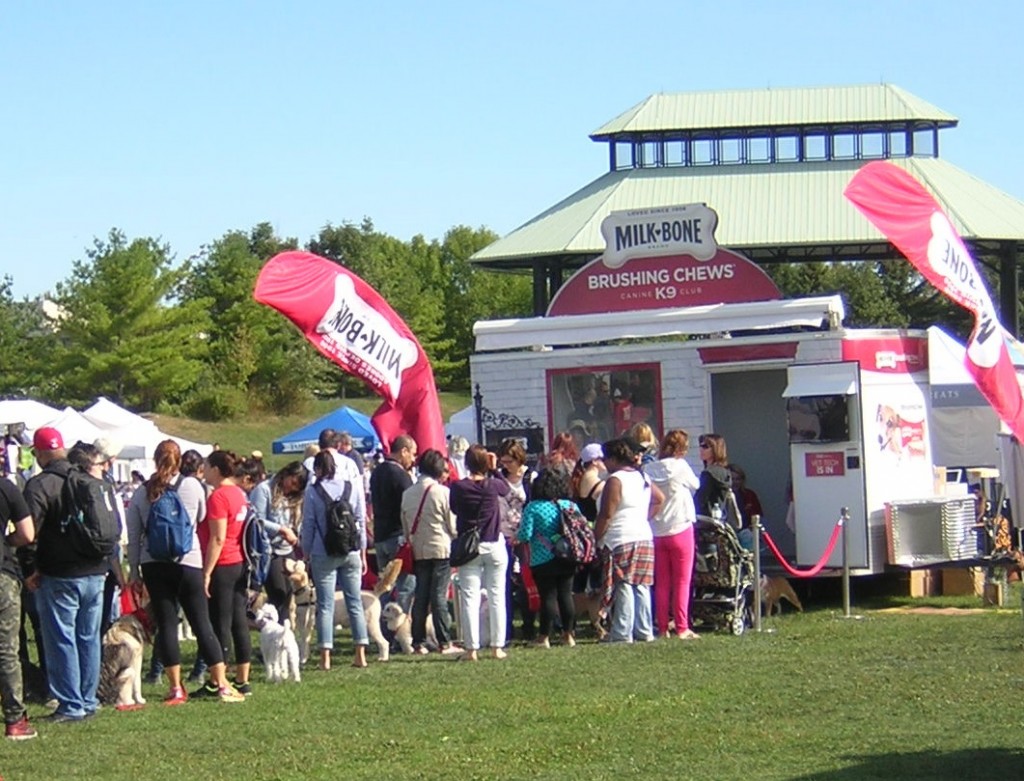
(826, 459)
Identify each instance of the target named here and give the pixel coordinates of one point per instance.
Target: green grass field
(889, 696)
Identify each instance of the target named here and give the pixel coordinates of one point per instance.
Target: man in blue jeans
(69, 589)
(387, 484)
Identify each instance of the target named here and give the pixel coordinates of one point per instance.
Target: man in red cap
(69, 588)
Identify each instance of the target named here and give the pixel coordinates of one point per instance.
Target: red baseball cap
(47, 439)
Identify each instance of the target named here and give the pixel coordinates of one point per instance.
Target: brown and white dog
(400, 623)
(588, 603)
(774, 590)
(305, 612)
(295, 571)
(121, 663)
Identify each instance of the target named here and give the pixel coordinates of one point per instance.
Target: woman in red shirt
(224, 575)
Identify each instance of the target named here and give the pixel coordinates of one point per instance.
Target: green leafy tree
(407, 274)
(122, 329)
(921, 302)
(886, 294)
(256, 357)
(27, 345)
(472, 293)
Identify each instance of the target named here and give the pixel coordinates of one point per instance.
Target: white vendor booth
(668, 328)
(135, 437)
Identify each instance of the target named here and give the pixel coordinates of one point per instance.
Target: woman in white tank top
(624, 535)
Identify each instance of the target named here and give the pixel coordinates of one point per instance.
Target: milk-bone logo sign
(888, 354)
(362, 341)
(661, 258)
(671, 230)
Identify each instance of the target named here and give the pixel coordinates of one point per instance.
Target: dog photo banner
(353, 325)
(900, 207)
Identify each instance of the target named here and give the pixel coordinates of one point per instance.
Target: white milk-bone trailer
(820, 416)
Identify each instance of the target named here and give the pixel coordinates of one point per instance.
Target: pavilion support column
(1009, 288)
(554, 278)
(540, 287)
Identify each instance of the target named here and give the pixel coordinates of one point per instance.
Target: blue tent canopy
(342, 419)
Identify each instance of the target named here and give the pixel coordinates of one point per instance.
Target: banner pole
(755, 525)
(845, 516)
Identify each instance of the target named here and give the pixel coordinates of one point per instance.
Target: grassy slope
(256, 433)
(889, 696)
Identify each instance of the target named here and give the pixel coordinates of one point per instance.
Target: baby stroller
(723, 578)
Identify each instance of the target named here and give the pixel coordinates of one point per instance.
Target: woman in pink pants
(673, 535)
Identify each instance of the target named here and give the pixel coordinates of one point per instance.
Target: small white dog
(278, 645)
(400, 622)
(184, 629)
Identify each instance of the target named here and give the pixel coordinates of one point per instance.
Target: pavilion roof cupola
(759, 127)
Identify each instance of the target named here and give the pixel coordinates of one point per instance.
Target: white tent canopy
(462, 424)
(33, 414)
(1011, 474)
(106, 414)
(138, 435)
(74, 427)
(130, 429)
(964, 425)
(135, 436)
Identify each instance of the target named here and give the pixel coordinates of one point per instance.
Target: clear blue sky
(186, 120)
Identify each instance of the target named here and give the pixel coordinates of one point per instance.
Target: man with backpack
(71, 561)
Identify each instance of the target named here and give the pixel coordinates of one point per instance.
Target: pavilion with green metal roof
(773, 163)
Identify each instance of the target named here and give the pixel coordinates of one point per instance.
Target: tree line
(131, 324)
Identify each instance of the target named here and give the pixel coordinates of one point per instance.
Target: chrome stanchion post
(755, 525)
(844, 517)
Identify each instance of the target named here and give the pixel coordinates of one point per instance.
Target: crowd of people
(642, 498)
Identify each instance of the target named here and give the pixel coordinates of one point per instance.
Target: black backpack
(341, 535)
(90, 522)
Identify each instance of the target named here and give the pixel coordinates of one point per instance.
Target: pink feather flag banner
(354, 326)
(907, 214)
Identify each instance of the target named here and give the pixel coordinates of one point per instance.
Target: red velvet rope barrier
(805, 573)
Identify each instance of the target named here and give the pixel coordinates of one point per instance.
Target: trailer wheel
(739, 624)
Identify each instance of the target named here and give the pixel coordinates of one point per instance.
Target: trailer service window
(598, 403)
